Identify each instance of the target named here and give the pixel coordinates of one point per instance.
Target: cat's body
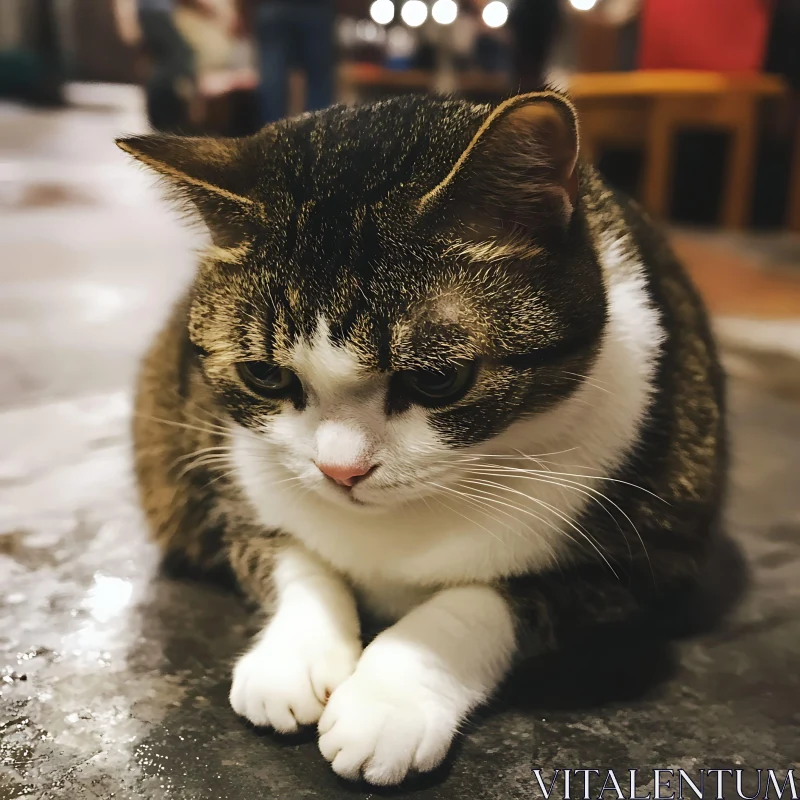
(572, 476)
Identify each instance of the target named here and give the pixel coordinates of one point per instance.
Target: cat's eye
(438, 387)
(268, 380)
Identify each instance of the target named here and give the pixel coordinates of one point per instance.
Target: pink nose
(344, 474)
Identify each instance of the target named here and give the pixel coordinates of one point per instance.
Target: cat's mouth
(370, 496)
(342, 494)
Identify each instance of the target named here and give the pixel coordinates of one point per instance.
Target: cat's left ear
(208, 173)
(520, 167)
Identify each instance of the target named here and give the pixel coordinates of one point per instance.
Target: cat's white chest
(497, 522)
(394, 565)
(388, 602)
(396, 559)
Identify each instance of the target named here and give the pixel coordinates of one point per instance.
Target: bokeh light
(382, 11)
(444, 11)
(495, 14)
(414, 13)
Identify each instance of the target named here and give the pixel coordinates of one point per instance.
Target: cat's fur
(576, 484)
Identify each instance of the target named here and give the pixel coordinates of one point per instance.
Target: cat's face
(379, 307)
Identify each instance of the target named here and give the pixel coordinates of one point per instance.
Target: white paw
(285, 681)
(383, 730)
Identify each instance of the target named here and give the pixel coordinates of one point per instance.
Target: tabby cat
(432, 374)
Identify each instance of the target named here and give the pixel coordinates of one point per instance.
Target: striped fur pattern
(574, 482)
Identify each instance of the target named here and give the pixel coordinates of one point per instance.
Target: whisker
(589, 491)
(575, 526)
(478, 456)
(233, 471)
(205, 427)
(543, 478)
(581, 375)
(482, 504)
(485, 507)
(493, 501)
(549, 472)
(222, 448)
(585, 379)
(488, 503)
(185, 425)
(492, 497)
(608, 479)
(191, 408)
(207, 461)
(219, 477)
(463, 516)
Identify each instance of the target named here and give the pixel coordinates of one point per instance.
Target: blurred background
(113, 679)
(691, 105)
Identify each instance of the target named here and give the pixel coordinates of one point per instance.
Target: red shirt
(718, 35)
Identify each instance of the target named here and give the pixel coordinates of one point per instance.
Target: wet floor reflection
(114, 678)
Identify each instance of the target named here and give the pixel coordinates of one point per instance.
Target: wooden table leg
(793, 198)
(657, 176)
(740, 169)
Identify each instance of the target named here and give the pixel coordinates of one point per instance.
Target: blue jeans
(172, 61)
(294, 35)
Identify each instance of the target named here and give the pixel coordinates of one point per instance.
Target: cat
(434, 374)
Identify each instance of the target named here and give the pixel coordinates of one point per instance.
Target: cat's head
(390, 284)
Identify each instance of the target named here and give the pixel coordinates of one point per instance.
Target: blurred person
(298, 33)
(624, 16)
(463, 36)
(171, 85)
(214, 34)
(31, 52)
(534, 26)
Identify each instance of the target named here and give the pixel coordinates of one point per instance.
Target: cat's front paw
(382, 730)
(285, 681)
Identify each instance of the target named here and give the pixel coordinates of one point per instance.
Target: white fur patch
(415, 684)
(421, 520)
(343, 443)
(409, 535)
(308, 649)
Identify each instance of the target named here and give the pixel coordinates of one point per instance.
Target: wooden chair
(647, 108)
(793, 200)
(358, 82)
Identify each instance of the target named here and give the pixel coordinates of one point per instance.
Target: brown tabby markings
(199, 516)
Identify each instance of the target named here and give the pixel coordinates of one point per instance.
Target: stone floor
(113, 679)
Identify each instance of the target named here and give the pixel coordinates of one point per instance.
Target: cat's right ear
(207, 173)
(519, 170)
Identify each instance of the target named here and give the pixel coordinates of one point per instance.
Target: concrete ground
(113, 678)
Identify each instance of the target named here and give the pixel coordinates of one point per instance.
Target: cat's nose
(345, 474)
